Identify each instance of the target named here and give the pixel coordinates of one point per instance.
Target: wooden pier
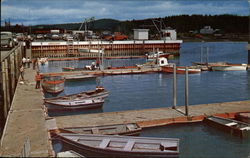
(27, 126)
(155, 117)
(143, 70)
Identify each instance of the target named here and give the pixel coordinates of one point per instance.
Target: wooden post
(186, 91)
(249, 55)
(7, 83)
(5, 107)
(174, 88)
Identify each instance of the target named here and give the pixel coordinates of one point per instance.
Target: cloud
(63, 11)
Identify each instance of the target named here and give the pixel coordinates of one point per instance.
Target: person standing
(24, 62)
(34, 63)
(28, 61)
(38, 78)
(22, 72)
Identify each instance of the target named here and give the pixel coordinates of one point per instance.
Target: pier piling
(174, 88)
(186, 91)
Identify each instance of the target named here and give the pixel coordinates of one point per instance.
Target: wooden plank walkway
(26, 120)
(154, 117)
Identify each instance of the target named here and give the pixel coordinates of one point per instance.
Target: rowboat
(129, 129)
(243, 116)
(99, 92)
(73, 105)
(120, 146)
(229, 67)
(77, 77)
(180, 69)
(233, 127)
(53, 84)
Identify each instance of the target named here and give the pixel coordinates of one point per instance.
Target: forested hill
(182, 23)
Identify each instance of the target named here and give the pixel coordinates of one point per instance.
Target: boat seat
(167, 146)
(104, 143)
(231, 124)
(245, 128)
(130, 127)
(129, 146)
(95, 130)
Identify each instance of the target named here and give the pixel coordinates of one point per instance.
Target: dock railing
(9, 75)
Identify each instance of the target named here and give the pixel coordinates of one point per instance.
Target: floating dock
(155, 117)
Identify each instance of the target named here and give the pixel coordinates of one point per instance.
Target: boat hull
(179, 70)
(56, 107)
(233, 127)
(243, 116)
(92, 151)
(131, 129)
(229, 67)
(53, 86)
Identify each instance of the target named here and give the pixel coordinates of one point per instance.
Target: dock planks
(155, 117)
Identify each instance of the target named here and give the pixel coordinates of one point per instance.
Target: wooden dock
(155, 117)
(107, 72)
(27, 120)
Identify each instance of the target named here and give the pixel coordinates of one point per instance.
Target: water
(201, 141)
(143, 91)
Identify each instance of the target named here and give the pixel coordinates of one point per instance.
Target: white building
(169, 34)
(207, 30)
(141, 34)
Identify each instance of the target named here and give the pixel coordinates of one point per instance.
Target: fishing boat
(120, 146)
(53, 84)
(76, 104)
(99, 92)
(229, 67)
(180, 69)
(129, 129)
(157, 54)
(233, 127)
(79, 77)
(243, 116)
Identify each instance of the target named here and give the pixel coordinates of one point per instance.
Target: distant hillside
(182, 23)
(102, 24)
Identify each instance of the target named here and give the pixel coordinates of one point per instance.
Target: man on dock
(38, 78)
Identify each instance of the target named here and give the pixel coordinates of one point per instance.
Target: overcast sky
(32, 12)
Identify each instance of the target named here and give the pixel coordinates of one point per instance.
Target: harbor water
(143, 91)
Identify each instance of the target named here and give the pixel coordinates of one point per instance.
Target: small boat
(243, 116)
(99, 92)
(123, 67)
(72, 69)
(69, 153)
(229, 67)
(129, 129)
(76, 104)
(157, 54)
(79, 76)
(42, 61)
(120, 146)
(180, 69)
(233, 127)
(53, 84)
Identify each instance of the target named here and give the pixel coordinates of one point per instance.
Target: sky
(34, 12)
